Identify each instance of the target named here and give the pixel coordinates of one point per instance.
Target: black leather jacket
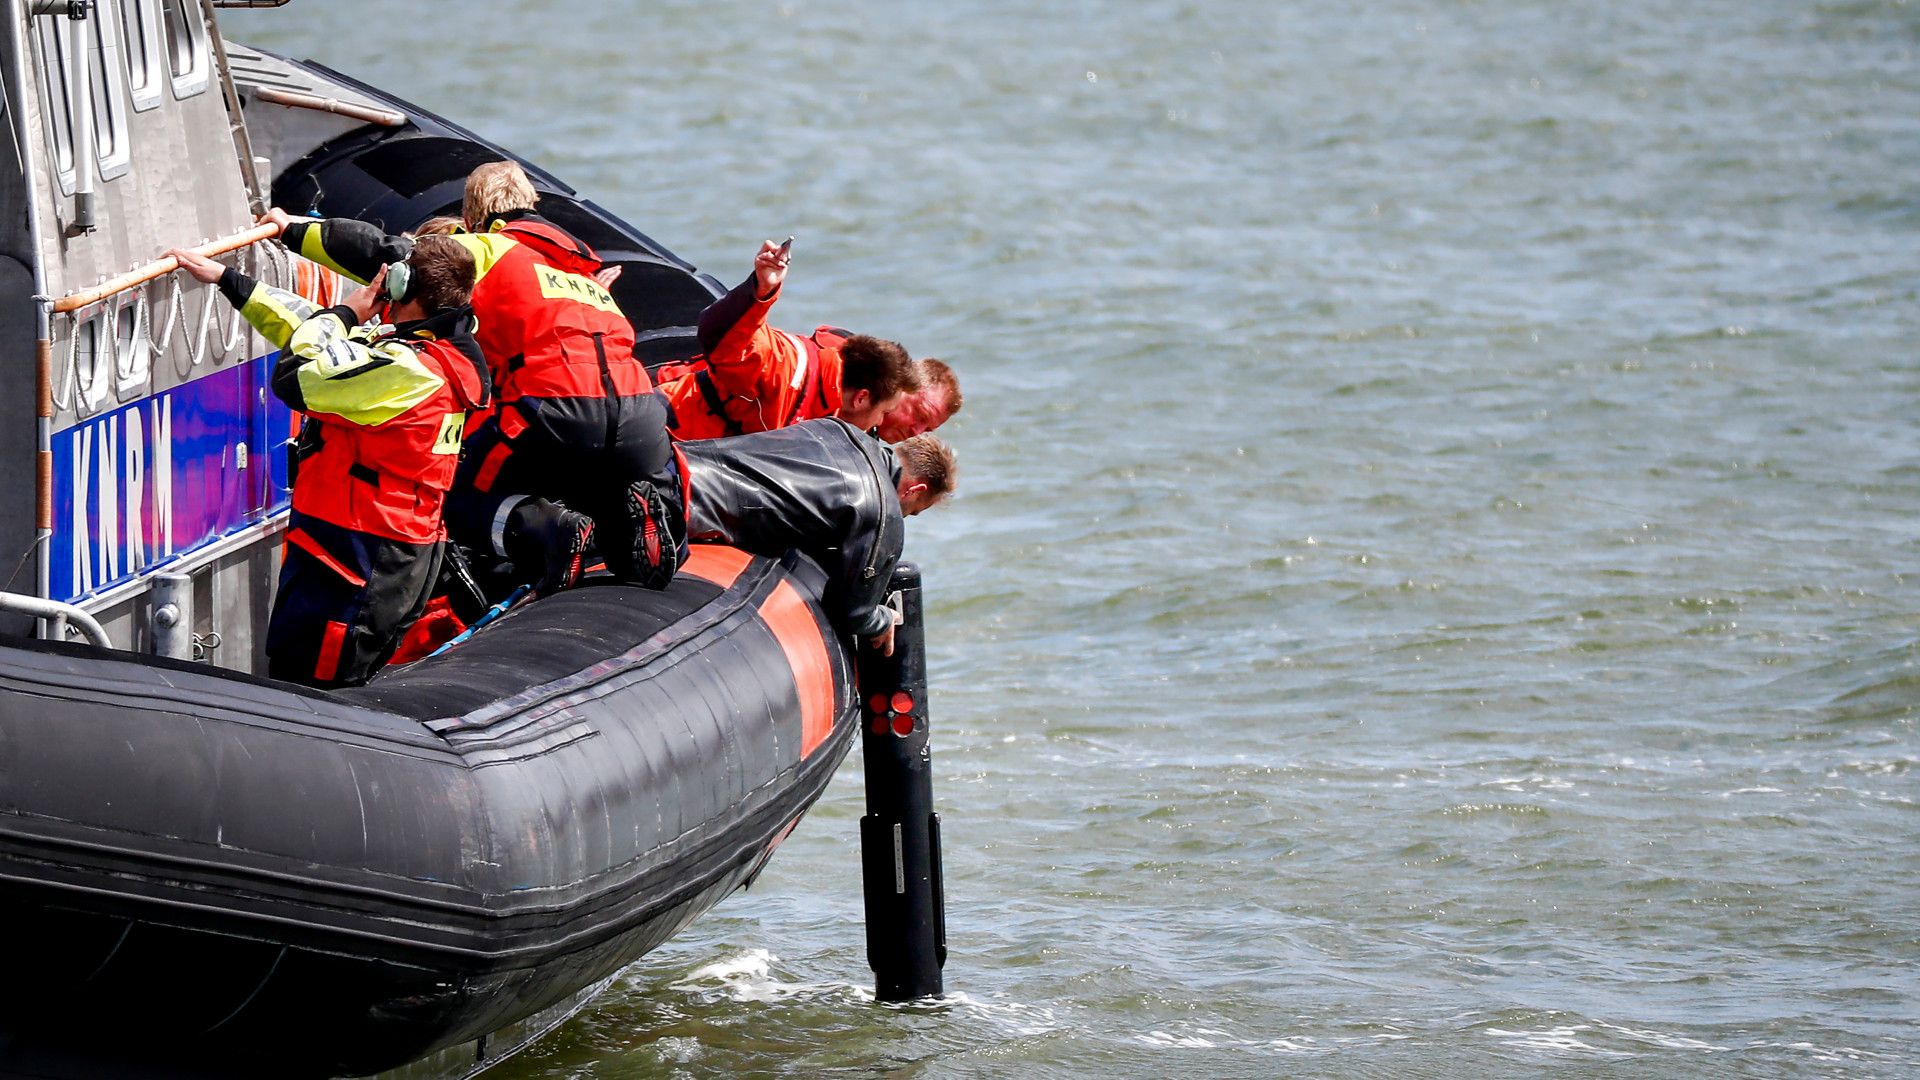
(822, 487)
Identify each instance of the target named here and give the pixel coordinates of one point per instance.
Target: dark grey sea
(1436, 587)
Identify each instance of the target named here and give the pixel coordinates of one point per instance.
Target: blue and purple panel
(145, 484)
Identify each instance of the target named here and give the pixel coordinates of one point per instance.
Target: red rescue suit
(754, 377)
(577, 422)
(385, 408)
(388, 479)
(548, 329)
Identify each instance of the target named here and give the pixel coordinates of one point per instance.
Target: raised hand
(770, 266)
(364, 302)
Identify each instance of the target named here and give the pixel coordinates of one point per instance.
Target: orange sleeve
(746, 352)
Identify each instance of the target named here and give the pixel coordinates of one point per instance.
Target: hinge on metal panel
(72, 9)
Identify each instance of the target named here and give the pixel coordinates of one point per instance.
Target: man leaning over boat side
(576, 449)
(385, 405)
(753, 377)
(924, 409)
(828, 489)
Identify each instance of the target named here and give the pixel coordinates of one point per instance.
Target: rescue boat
(238, 876)
(443, 861)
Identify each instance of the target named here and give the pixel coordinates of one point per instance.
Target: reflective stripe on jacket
(384, 408)
(546, 327)
(756, 378)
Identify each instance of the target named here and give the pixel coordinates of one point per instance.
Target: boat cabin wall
(166, 170)
(167, 451)
(19, 329)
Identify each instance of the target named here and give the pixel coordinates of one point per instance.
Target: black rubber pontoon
(226, 872)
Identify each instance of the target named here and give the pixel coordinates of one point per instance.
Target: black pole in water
(900, 836)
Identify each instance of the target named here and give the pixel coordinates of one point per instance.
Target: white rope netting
(120, 345)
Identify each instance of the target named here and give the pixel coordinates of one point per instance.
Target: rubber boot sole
(655, 558)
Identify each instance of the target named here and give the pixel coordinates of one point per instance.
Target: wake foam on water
(751, 978)
(1210, 1038)
(1556, 1040)
(1828, 1054)
(1524, 784)
(1015, 1019)
(1665, 1040)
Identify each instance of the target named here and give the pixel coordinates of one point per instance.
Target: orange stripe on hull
(716, 563)
(793, 626)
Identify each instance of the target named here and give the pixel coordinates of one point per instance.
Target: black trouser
(582, 452)
(344, 601)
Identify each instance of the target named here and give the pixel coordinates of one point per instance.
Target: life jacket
(807, 387)
(547, 328)
(390, 480)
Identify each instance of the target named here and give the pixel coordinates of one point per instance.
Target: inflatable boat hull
(223, 869)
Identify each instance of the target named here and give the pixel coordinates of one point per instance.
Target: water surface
(1433, 592)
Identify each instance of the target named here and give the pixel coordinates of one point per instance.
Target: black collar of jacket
(455, 326)
(505, 217)
(495, 222)
(873, 446)
(446, 325)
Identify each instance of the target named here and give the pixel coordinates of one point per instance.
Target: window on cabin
(138, 22)
(109, 97)
(187, 54)
(56, 81)
(112, 148)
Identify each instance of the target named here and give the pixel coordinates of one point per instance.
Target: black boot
(648, 552)
(547, 543)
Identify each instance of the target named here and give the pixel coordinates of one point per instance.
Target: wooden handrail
(140, 276)
(293, 99)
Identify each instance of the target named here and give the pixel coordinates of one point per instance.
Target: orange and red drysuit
(384, 408)
(576, 421)
(753, 377)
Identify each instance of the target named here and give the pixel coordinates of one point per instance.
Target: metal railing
(293, 99)
(59, 617)
(140, 275)
(123, 355)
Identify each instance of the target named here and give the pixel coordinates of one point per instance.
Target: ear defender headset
(398, 285)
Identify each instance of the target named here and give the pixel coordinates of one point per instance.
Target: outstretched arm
(353, 248)
(770, 266)
(865, 613)
(882, 642)
(862, 568)
(273, 312)
(751, 298)
(325, 365)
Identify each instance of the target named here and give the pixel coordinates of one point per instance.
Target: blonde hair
(929, 460)
(443, 225)
(496, 188)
